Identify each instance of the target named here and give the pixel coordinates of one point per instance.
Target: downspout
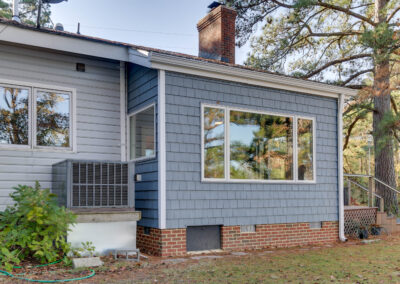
(15, 16)
(340, 168)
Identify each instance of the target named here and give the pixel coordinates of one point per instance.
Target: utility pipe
(15, 16)
(340, 167)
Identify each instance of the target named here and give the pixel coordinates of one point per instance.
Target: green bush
(35, 227)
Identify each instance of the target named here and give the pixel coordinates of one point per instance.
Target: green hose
(46, 281)
(49, 281)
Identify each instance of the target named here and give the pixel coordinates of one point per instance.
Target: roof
(145, 52)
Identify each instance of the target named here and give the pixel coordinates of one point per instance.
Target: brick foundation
(167, 242)
(172, 242)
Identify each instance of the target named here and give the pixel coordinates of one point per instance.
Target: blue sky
(164, 24)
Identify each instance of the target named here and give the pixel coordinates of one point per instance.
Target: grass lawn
(348, 263)
(351, 262)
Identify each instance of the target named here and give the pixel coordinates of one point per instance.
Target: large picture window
(261, 146)
(142, 134)
(35, 118)
(242, 145)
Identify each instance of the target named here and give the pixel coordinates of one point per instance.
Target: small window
(53, 119)
(305, 150)
(142, 134)
(14, 116)
(214, 142)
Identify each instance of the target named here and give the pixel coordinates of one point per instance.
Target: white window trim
(227, 178)
(129, 134)
(32, 87)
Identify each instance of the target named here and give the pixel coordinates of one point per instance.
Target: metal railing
(370, 189)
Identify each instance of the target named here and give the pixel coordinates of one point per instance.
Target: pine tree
(352, 43)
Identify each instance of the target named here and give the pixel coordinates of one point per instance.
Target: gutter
(342, 237)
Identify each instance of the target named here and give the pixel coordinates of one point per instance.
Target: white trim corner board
(162, 202)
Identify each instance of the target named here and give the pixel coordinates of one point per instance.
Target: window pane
(14, 116)
(305, 149)
(142, 134)
(53, 119)
(261, 146)
(214, 142)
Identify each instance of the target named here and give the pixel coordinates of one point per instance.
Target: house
(218, 155)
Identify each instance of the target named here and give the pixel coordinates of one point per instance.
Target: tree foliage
(352, 43)
(28, 12)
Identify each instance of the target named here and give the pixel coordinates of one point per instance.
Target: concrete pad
(86, 262)
(204, 251)
(206, 256)
(239, 253)
(175, 260)
(369, 241)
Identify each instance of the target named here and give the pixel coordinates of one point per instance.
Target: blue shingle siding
(192, 202)
(142, 91)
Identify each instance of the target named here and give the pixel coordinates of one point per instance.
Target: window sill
(246, 181)
(30, 149)
(143, 159)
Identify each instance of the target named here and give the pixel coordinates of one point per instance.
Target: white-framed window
(242, 145)
(36, 117)
(142, 134)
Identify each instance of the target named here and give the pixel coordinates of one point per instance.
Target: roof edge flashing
(251, 77)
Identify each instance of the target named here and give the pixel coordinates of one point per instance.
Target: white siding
(97, 112)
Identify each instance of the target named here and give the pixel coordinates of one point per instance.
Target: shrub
(34, 227)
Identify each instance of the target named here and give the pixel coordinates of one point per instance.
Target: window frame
(227, 178)
(144, 158)
(32, 89)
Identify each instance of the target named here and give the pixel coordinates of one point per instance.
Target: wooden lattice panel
(355, 218)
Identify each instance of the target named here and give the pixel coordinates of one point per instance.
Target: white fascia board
(228, 73)
(140, 57)
(22, 36)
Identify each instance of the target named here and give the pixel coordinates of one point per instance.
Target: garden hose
(46, 281)
(49, 281)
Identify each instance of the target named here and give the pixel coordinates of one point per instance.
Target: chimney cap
(214, 4)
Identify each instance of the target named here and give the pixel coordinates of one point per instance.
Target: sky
(163, 24)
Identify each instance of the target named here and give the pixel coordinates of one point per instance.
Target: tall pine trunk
(383, 138)
(383, 141)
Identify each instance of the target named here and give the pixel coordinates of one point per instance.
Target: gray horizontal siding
(142, 91)
(191, 202)
(97, 112)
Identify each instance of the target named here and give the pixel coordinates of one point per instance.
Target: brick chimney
(217, 34)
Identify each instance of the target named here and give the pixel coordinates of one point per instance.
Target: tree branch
(346, 11)
(350, 129)
(334, 62)
(356, 75)
(393, 14)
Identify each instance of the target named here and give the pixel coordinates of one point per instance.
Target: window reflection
(142, 134)
(305, 149)
(261, 146)
(14, 116)
(52, 119)
(214, 142)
